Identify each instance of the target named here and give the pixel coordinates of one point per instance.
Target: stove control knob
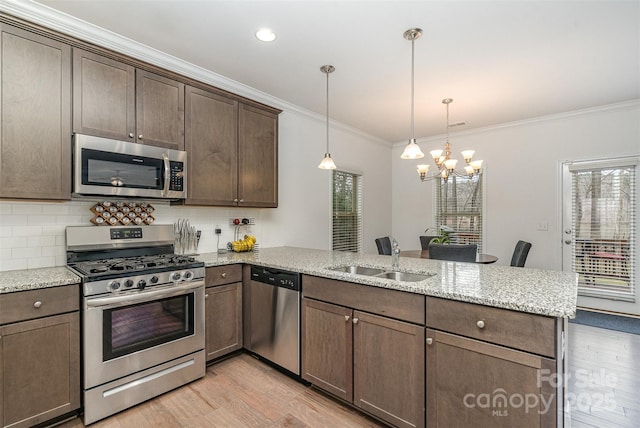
(114, 286)
(176, 276)
(188, 275)
(128, 283)
(154, 279)
(141, 284)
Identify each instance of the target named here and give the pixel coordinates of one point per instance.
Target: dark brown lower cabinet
(471, 383)
(39, 369)
(223, 308)
(374, 362)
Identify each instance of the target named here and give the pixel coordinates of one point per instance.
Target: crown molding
(625, 105)
(40, 14)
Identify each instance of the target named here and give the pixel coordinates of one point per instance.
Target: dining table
(481, 258)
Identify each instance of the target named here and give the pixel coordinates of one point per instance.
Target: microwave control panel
(176, 180)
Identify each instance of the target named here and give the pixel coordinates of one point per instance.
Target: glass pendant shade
(327, 162)
(412, 151)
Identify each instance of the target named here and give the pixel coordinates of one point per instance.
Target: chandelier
(445, 163)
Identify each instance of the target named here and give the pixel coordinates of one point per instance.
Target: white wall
(523, 186)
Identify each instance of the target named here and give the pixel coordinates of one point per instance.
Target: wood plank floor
(603, 388)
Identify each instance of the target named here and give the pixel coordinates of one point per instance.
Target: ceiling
(501, 61)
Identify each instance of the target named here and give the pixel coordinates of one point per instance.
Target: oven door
(124, 334)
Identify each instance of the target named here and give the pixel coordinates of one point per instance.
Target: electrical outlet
(218, 231)
(543, 226)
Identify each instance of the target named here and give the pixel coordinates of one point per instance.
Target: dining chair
(454, 252)
(384, 245)
(520, 253)
(424, 241)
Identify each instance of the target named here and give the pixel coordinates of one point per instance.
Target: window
(347, 211)
(604, 227)
(458, 204)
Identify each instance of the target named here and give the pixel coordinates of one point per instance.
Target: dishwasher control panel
(277, 277)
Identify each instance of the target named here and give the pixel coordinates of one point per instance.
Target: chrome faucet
(395, 254)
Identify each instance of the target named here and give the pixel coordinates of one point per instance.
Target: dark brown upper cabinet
(112, 99)
(35, 148)
(233, 151)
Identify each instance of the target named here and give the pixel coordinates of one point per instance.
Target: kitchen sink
(382, 273)
(358, 270)
(404, 276)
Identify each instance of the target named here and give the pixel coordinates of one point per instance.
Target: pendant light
(412, 151)
(327, 162)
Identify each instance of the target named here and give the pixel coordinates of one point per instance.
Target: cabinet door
(223, 308)
(211, 141)
(257, 157)
(35, 145)
(103, 97)
(39, 369)
(476, 384)
(327, 341)
(388, 369)
(159, 111)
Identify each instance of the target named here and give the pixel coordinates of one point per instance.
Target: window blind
(604, 228)
(458, 204)
(347, 211)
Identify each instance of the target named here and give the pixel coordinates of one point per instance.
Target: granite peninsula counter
(536, 291)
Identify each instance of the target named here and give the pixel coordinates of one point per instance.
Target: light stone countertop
(33, 279)
(536, 291)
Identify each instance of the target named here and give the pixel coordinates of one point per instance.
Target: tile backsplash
(32, 234)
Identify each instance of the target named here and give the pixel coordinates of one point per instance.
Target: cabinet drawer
(25, 305)
(528, 332)
(380, 301)
(219, 275)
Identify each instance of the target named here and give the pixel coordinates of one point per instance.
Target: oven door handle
(115, 301)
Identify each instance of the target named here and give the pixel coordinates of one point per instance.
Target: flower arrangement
(444, 233)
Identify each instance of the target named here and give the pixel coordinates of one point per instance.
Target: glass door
(599, 232)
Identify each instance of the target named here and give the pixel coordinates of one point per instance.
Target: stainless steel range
(143, 315)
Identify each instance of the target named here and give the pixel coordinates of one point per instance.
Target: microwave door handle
(167, 174)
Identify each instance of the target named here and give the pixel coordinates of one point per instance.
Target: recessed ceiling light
(265, 35)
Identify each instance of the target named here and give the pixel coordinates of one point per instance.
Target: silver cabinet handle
(355, 320)
(37, 304)
(235, 200)
(241, 200)
(346, 318)
(131, 135)
(223, 274)
(140, 137)
(429, 341)
(206, 296)
(480, 324)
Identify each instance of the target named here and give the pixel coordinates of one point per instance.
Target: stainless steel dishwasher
(275, 316)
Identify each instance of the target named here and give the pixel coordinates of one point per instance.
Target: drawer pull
(480, 324)
(355, 320)
(346, 318)
(37, 304)
(206, 296)
(429, 341)
(223, 274)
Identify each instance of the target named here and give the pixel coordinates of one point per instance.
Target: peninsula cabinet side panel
(388, 369)
(476, 384)
(35, 110)
(103, 97)
(211, 142)
(327, 340)
(39, 370)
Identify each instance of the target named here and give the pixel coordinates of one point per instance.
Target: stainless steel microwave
(106, 167)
